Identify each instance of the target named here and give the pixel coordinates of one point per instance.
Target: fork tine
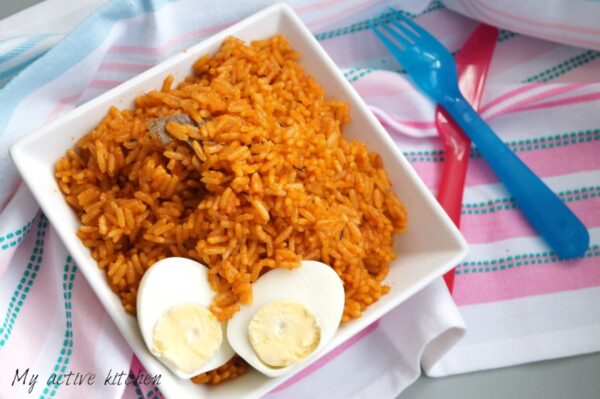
(407, 32)
(404, 40)
(414, 26)
(391, 46)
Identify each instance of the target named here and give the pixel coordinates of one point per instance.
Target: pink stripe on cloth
(340, 13)
(564, 101)
(559, 160)
(521, 104)
(505, 224)
(536, 22)
(123, 67)
(169, 44)
(509, 95)
(318, 6)
(412, 124)
(382, 84)
(518, 106)
(514, 54)
(61, 105)
(104, 84)
(526, 280)
(467, 8)
(328, 357)
(489, 17)
(377, 85)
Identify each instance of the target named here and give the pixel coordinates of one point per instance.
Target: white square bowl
(431, 247)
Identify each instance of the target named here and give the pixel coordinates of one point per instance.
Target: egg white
(171, 282)
(314, 285)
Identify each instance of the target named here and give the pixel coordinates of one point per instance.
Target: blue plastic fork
(431, 67)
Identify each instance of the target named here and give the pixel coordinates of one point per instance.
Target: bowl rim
(18, 154)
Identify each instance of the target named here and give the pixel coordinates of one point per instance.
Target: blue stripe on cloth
(10, 72)
(71, 50)
(24, 46)
(5, 81)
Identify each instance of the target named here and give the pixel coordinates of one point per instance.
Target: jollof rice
(269, 180)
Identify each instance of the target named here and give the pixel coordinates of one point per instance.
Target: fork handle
(559, 226)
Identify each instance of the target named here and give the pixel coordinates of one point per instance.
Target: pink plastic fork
(472, 64)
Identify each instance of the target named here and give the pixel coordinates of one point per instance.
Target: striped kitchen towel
(520, 302)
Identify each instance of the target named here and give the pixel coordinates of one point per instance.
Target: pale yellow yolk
(283, 333)
(187, 336)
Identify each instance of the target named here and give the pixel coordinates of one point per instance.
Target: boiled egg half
(173, 314)
(294, 314)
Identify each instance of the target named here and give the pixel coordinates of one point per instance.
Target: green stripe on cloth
(500, 204)
(62, 362)
(360, 73)
(25, 283)
(364, 25)
(539, 143)
(353, 71)
(510, 262)
(506, 35)
(564, 67)
(138, 390)
(14, 238)
(153, 394)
